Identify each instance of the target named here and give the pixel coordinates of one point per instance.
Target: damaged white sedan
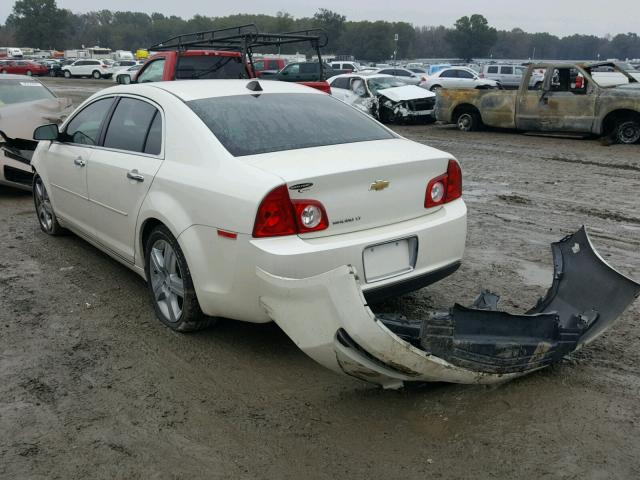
(386, 98)
(25, 103)
(260, 200)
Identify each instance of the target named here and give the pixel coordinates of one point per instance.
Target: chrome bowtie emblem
(378, 185)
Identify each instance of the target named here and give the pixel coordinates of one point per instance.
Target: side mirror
(46, 132)
(123, 79)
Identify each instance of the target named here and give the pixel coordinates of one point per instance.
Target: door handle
(79, 162)
(134, 175)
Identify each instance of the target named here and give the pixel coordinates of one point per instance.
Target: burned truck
(570, 100)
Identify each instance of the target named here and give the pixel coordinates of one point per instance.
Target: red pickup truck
(217, 54)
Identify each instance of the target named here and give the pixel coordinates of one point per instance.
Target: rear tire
(170, 284)
(29, 73)
(96, 74)
(4, 72)
(44, 210)
(435, 88)
(627, 130)
(468, 121)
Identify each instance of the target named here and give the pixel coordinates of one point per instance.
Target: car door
(465, 79)
(67, 161)
(507, 76)
(121, 172)
(340, 88)
(561, 106)
(152, 72)
(448, 78)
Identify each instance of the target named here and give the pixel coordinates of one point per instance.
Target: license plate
(389, 259)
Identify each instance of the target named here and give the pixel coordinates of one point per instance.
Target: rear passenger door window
(134, 128)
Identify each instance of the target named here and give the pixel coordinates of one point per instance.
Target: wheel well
(609, 122)
(465, 108)
(147, 227)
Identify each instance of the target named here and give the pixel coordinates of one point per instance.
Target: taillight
(445, 188)
(310, 216)
(278, 215)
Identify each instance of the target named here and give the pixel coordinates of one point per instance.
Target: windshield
(18, 91)
(211, 67)
(274, 122)
(381, 83)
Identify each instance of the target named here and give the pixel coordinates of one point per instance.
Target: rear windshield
(209, 66)
(274, 122)
(18, 91)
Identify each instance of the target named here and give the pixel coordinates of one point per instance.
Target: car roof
(188, 90)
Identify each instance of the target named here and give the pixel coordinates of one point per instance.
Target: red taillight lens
(278, 215)
(445, 188)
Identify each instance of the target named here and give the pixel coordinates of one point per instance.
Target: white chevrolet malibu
(197, 186)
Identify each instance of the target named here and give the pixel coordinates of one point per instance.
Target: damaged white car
(386, 98)
(25, 103)
(260, 200)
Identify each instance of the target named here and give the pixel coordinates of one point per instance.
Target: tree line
(41, 24)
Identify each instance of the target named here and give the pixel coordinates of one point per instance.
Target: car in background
(457, 77)
(435, 68)
(22, 67)
(275, 195)
(123, 63)
(266, 67)
(418, 70)
(305, 72)
(510, 76)
(130, 72)
(88, 67)
(347, 67)
(25, 103)
(404, 74)
(385, 97)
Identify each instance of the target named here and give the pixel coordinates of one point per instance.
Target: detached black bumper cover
(586, 297)
(328, 318)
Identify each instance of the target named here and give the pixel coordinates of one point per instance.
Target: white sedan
(130, 71)
(457, 77)
(201, 187)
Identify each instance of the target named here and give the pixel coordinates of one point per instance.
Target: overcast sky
(560, 17)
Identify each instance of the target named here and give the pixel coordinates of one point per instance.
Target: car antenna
(254, 86)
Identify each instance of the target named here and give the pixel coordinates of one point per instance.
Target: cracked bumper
(328, 318)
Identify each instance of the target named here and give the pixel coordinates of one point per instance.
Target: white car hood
(408, 92)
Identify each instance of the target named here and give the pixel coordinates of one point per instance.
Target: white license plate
(389, 259)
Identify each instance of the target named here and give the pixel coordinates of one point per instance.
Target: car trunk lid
(361, 185)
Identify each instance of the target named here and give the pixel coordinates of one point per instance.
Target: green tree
(472, 37)
(333, 24)
(38, 23)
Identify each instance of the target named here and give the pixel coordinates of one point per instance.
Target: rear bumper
(328, 318)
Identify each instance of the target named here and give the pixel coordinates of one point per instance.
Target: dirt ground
(93, 386)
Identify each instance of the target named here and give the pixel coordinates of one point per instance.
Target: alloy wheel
(166, 280)
(43, 206)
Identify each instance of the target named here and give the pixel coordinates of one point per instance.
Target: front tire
(67, 74)
(627, 131)
(170, 284)
(29, 73)
(46, 216)
(435, 88)
(468, 121)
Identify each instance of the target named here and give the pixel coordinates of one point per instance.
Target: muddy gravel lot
(92, 386)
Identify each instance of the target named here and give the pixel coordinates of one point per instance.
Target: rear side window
(273, 122)
(130, 125)
(309, 68)
(154, 138)
(209, 66)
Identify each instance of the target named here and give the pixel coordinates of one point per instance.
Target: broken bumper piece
(327, 317)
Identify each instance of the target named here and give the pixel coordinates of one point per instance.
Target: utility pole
(395, 49)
